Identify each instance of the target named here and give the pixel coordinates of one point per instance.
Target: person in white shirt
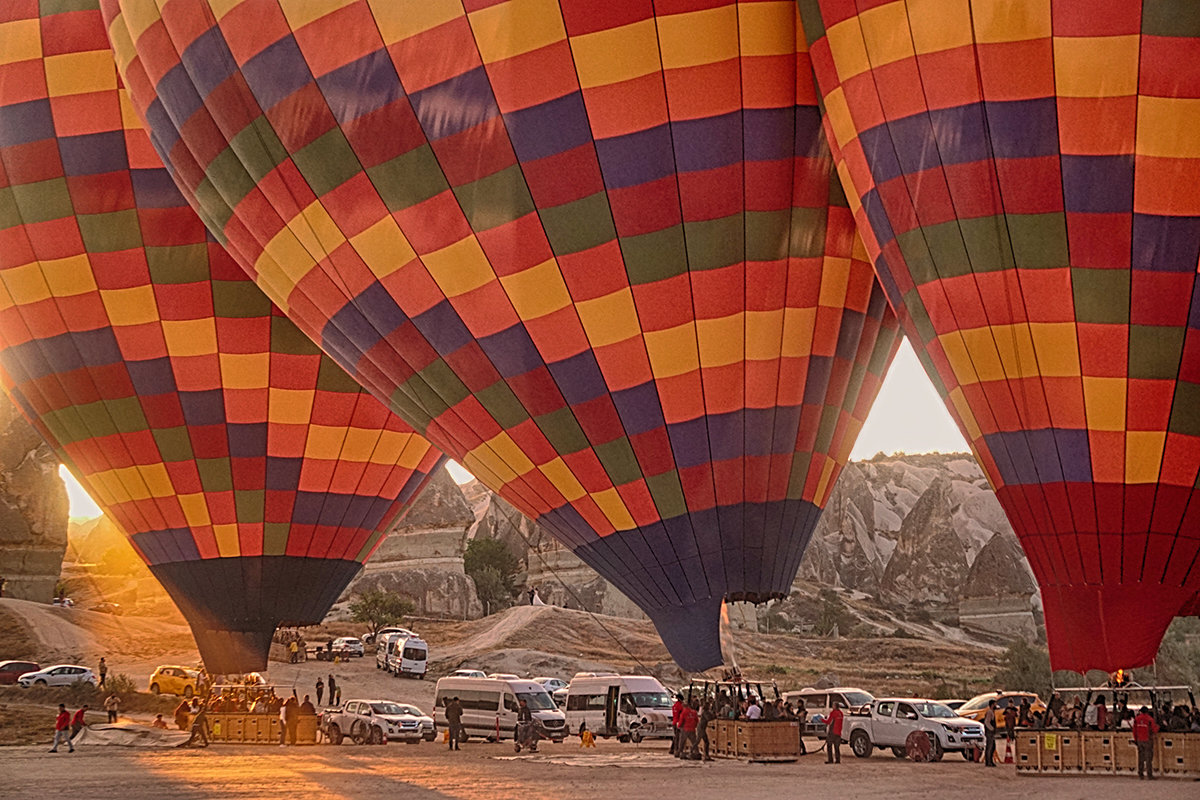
(754, 711)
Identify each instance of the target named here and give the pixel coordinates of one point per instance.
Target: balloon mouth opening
(757, 598)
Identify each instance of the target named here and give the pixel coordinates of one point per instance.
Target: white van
(490, 706)
(819, 702)
(383, 645)
(407, 657)
(626, 706)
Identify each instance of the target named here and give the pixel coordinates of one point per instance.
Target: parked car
(174, 680)
(953, 705)
(374, 721)
(976, 707)
(552, 684)
(348, 646)
(886, 723)
(11, 670)
(108, 608)
(467, 673)
(369, 638)
(504, 676)
(58, 675)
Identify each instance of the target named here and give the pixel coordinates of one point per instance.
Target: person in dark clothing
(333, 687)
(181, 715)
(1055, 708)
(291, 718)
(989, 735)
(454, 712)
(1144, 729)
(833, 735)
(307, 707)
(320, 689)
(199, 728)
(802, 718)
(1024, 713)
(708, 712)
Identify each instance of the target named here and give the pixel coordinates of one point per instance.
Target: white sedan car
(58, 675)
(552, 684)
(348, 646)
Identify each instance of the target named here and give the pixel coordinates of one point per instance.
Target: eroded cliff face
(33, 510)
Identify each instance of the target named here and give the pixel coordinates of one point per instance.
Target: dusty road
(492, 772)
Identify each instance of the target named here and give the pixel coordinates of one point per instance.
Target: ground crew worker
(1144, 729)
(689, 744)
(676, 720)
(181, 714)
(454, 712)
(833, 734)
(62, 729)
(112, 704)
(989, 735)
(103, 671)
(708, 713)
(78, 722)
(294, 650)
(199, 727)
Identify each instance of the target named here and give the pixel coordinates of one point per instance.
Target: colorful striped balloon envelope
(252, 474)
(591, 250)
(1025, 177)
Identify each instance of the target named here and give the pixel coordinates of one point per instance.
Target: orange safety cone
(446, 736)
(1008, 751)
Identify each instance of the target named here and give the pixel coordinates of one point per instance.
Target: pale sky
(907, 416)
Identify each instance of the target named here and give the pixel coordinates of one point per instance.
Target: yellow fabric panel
(849, 51)
(1103, 66)
(133, 306)
(835, 278)
(245, 370)
(959, 357)
(673, 351)
(722, 341)
(798, 326)
(69, 276)
(460, 267)
(1015, 347)
(559, 474)
(609, 319)
(401, 19)
(290, 406)
(823, 485)
(769, 29)
(156, 479)
(325, 442)
(613, 508)
(537, 291)
(1104, 403)
(1143, 455)
(617, 54)
(938, 25)
(838, 114)
(228, 544)
(80, 73)
(1010, 20)
(519, 26)
(131, 481)
(698, 37)
(195, 510)
(301, 12)
(383, 247)
(26, 284)
(20, 40)
(287, 261)
(190, 337)
(503, 457)
(885, 31)
(1167, 127)
(316, 230)
(141, 14)
(1057, 349)
(959, 401)
(764, 334)
(360, 444)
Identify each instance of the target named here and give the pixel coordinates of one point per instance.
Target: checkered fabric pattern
(202, 421)
(1025, 177)
(591, 250)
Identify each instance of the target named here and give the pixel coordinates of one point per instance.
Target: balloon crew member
(833, 734)
(989, 735)
(62, 729)
(78, 722)
(676, 720)
(708, 713)
(181, 714)
(1144, 729)
(1010, 728)
(199, 727)
(320, 689)
(102, 670)
(689, 745)
(454, 712)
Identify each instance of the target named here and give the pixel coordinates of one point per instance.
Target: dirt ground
(493, 772)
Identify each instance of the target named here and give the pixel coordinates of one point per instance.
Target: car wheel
(899, 752)
(335, 733)
(936, 752)
(375, 736)
(623, 738)
(188, 692)
(860, 743)
(40, 682)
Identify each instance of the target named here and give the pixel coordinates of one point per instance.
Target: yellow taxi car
(174, 680)
(977, 706)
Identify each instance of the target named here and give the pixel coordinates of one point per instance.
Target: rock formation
(930, 562)
(33, 510)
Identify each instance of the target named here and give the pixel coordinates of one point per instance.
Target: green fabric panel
(174, 444)
(1039, 240)
(715, 243)
(800, 464)
(987, 243)
(332, 378)
(48, 8)
(96, 419)
(287, 338)
(249, 505)
(275, 537)
(185, 263)
(655, 256)
(579, 225)
(1185, 411)
(810, 18)
(10, 215)
(408, 409)
(258, 148)
(43, 201)
(214, 211)
(229, 176)
(808, 232)
(126, 414)
(1101, 295)
(496, 199)
(1171, 18)
(562, 430)
(667, 493)
(946, 247)
(920, 261)
(619, 461)
(436, 388)
(239, 299)
(327, 162)
(215, 474)
(837, 192)
(767, 234)
(364, 551)
(502, 404)
(920, 318)
(110, 232)
(826, 427)
(408, 179)
(1154, 351)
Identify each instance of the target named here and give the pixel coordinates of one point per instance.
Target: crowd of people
(1097, 715)
(690, 718)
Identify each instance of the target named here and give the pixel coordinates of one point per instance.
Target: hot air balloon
(592, 251)
(1024, 175)
(250, 472)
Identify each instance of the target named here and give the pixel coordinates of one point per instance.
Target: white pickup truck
(887, 722)
(376, 721)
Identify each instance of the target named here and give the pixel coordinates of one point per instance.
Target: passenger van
(407, 657)
(630, 707)
(490, 706)
(383, 644)
(819, 702)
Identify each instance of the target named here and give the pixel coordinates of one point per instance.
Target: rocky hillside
(33, 510)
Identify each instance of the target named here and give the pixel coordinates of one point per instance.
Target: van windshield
(537, 701)
(651, 699)
(857, 698)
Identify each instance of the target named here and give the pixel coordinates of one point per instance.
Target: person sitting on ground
(158, 722)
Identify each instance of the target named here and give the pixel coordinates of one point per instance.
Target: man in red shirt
(689, 741)
(78, 721)
(676, 721)
(833, 735)
(62, 730)
(1144, 728)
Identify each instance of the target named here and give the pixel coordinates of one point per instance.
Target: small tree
(379, 609)
(1025, 668)
(493, 567)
